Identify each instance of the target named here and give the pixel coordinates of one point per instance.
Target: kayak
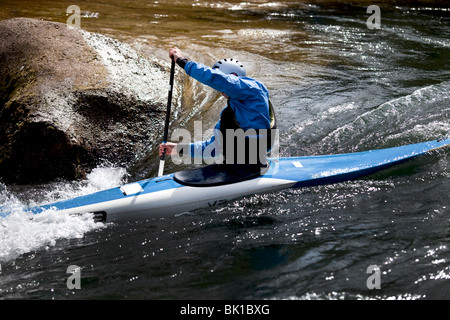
(214, 185)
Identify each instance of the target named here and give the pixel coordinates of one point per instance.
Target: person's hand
(169, 147)
(175, 53)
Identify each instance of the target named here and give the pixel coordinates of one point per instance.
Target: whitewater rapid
(22, 232)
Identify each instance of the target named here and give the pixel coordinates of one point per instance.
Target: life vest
(245, 146)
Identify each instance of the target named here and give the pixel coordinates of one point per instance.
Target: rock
(70, 99)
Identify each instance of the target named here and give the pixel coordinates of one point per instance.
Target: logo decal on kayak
(297, 164)
(216, 202)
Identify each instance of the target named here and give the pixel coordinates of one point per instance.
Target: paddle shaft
(166, 126)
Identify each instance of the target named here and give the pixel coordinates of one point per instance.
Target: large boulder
(70, 99)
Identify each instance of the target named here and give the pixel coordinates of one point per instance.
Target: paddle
(166, 128)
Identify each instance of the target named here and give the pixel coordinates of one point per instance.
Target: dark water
(338, 86)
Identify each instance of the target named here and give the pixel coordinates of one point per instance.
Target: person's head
(230, 66)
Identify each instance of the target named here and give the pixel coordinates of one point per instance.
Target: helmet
(229, 66)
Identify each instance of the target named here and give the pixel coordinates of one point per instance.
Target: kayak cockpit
(219, 174)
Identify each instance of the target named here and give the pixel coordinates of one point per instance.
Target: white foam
(21, 232)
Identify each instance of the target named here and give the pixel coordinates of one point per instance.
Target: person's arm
(177, 55)
(233, 86)
(195, 149)
(198, 149)
(170, 148)
(206, 149)
(229, 84)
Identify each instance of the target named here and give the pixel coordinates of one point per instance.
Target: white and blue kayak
(213, 185)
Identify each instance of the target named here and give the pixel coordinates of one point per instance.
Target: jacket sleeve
(231, 85)
(196, 149)
(206, 149)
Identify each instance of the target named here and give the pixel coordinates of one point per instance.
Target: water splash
(21, 232)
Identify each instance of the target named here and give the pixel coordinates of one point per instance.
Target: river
(338, 85)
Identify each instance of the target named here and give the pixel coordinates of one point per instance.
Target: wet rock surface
(70, 99)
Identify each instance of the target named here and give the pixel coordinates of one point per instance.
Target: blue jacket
(249, 100)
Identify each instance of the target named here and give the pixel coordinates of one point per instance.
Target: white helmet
(229, 66)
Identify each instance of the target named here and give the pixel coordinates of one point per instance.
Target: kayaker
(248, 114)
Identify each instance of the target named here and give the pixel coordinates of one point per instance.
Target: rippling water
(338, 87)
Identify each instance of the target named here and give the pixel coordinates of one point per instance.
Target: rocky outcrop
(70, 99)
